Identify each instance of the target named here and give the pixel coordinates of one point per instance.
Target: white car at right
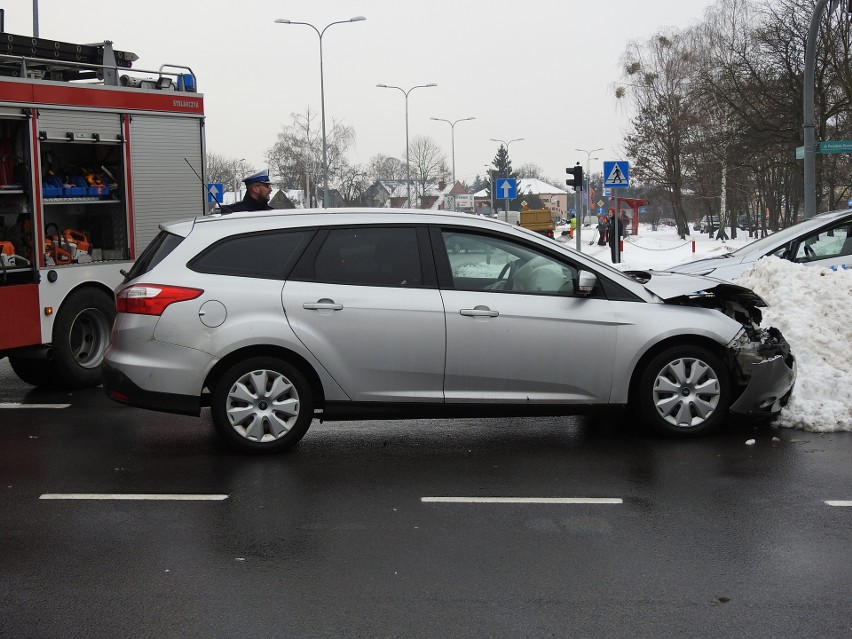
(824, 240)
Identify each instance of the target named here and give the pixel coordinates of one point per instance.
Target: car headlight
(746, 351)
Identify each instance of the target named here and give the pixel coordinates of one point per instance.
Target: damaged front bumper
(767, 369)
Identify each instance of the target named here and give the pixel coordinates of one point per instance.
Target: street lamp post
(407, 161)
(589, 159)
(238, 170)
(506, 144)
(322, 96)
(491, 177)
(453, 124)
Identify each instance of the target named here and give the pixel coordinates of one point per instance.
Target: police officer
(258, 192)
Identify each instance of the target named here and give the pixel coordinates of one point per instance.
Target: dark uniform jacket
(248, 203)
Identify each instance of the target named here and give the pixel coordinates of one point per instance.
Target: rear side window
(258, 255)
(366, 256)
(158, 249)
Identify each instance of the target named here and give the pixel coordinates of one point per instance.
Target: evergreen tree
(502, 168)
(479, 183)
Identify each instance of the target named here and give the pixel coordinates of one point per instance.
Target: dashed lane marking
(522, 500)
(19, 405)
(839, 503)
(132, 497)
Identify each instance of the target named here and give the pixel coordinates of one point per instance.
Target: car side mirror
(587, 282)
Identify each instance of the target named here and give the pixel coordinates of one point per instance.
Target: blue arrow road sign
(214, 193)
(616, 174)
(506, 188)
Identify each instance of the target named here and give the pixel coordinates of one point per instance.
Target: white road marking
(133, 496)
(19, 405)
(522, 500)
(839, 503)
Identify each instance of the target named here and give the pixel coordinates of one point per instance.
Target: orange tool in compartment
(7, 253)
(76, 239)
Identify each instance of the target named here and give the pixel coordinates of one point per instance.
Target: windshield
(771, 242)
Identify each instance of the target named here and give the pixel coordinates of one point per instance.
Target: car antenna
(200, 180)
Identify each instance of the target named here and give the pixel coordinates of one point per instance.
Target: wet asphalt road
(712, 538)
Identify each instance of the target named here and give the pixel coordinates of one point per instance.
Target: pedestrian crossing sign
(616, 174)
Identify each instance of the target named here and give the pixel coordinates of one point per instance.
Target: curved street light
(322, 95)
(506, 144)
(589, 158)
(453, 124)
(407, 162)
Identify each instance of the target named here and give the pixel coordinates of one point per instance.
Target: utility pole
(809, 118)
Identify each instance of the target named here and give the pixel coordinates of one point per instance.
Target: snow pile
(810, 306)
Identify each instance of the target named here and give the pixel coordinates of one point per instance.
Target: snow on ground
(809, 304)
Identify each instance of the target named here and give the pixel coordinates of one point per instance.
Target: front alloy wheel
(262, 405)
(685, 391)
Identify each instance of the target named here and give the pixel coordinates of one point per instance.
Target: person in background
(601, 230)
(258, 192)
(614, 231)
(625, 223)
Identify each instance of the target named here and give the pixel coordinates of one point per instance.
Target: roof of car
(379, 213)
(305, 217)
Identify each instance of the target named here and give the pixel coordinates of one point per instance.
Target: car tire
(684, 391)
(262, 405)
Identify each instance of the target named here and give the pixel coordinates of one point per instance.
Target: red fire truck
(93, 157)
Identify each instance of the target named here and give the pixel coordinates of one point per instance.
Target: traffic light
(577, 180)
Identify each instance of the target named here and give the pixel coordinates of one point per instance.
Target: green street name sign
(827, 148)
(836, 146)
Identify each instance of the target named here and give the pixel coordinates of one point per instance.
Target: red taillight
(152, 299)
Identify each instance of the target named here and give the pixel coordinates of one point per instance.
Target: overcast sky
(542, 70)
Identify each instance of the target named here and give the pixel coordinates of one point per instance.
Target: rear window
(158, 249)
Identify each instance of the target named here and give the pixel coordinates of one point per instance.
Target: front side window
(369, 256)
(833, 242)
(485, 263)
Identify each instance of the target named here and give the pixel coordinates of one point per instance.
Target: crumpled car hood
(670, 286)
(696, 266)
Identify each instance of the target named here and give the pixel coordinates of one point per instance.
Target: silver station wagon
(274, 319)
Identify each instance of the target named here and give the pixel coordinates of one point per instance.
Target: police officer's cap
(261, 177)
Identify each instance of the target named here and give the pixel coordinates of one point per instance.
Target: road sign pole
(616, 227)
(578, 206)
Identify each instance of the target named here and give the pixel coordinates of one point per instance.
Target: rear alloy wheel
(684, 391)
(262, 405)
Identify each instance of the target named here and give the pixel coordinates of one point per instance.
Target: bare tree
(385, 167)
(296, 156)
(222, 169)
(659, 86)
(533, 171)
(354, 182)
(428, 162)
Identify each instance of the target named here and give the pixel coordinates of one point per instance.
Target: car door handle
(323, 305)
(479, 311)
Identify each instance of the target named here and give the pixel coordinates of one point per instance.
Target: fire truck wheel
(81, 335)
(38, 372)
